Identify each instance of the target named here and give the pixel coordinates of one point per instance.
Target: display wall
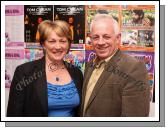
(22, 38)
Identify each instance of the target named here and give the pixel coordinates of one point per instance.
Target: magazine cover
(138, 16)
(13, 58)
(146, 37)
(14, 26)
(90, 55)
(76, 58)
(91, 11)
(137, 38)
(152, 88)
(33, 16)
(33, 54)
(10, 66)
(147, 57)
(129, 38)
(151, 80)
(142, 19)
(75, 16)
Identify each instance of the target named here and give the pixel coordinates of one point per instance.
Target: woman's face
(56, 47)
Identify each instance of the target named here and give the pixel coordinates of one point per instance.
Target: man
(138, 16)
(115, 84)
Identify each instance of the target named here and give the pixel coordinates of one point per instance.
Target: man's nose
(101, 41)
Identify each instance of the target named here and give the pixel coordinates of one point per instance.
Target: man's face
(70, 20)
(104, 39)
(40, 20)
(136, 18)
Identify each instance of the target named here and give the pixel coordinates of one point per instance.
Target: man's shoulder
(88, 64)
(130, 61)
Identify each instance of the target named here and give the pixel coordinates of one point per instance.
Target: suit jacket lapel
(87, 76)
(105, 74)
(41, 85)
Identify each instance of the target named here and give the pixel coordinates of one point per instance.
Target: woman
(49, 86)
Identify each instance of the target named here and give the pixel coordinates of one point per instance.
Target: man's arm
(136, 93)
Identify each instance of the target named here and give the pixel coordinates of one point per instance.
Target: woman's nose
(57, 45)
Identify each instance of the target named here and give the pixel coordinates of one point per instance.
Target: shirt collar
(99, 63)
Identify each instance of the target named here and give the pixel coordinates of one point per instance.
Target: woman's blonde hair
(61, 28)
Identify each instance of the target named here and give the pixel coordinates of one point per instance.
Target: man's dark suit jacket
(28, 93)
(121, 90)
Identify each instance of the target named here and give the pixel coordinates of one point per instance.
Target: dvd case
(74, 15)
(33, 16)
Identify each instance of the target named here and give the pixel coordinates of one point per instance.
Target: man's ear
(118, 38)
(91, 39)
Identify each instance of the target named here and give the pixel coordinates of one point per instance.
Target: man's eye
(95, 38)
(107, 37)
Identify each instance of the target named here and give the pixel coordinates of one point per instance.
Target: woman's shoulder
(72, 67)
(30, 65)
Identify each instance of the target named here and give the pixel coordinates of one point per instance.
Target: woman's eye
(52, 41)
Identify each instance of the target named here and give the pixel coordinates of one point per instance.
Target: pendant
(57, 79)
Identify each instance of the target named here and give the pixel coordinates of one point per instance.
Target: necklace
(57, 79)
(54, 67)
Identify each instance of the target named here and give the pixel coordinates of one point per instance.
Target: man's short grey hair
(98, 17)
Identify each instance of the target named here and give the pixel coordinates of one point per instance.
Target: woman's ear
(69, 42)
(44, 50)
